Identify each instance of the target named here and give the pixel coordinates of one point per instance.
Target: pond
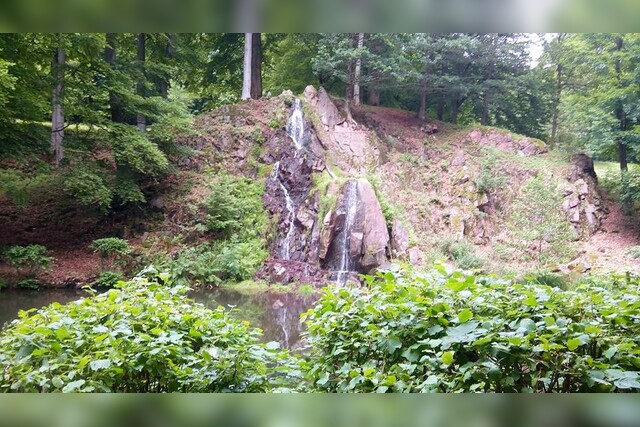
(277, 314)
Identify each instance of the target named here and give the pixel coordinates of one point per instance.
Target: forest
(319, 212)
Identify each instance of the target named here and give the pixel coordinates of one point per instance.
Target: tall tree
(256, 66)
(110, 57)
(57, 116)
(248, 61)
(141, 120)
(357, 70)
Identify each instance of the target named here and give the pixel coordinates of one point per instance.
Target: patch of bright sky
(536, 46)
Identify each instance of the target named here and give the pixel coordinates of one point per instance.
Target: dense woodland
(164, 157)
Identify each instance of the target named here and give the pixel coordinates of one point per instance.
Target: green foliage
(536, 219)
(545, 278)
(140, 337)
(29, 283)
(489, 180)
(111, 249)
(235, 207)
(441, 332)
(21, 187)
(28, 260)
(460, 251)
(107, 279)
(219, 261)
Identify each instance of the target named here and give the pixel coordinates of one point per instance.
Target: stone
(311, 95)
(399, 239)
(582, 187)
(570, 203)
(414, 256)
(459, 159)
(329, 114)
(376, 236)
(582, 165)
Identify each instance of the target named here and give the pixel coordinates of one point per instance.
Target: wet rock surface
(364, 239)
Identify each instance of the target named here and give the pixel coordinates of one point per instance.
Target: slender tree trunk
(422, 110)
(454, 111)
(484, 120)
(163, 83)
(556, 106)
(440, 109)
(115, 108)
(57, 116)
(256, 66)
(357, 72)
(374, 97)
(622, 147)
(348, 96)
(246, 76)
(141, 120)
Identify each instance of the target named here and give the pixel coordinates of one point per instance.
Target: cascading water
(350, 204)
(295, 125)
(286, 244)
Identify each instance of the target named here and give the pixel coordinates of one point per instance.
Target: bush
(214, 263)
(28, 260)
(111, 249)
(235, 207)
(546, 278)
(537, 221)
(460, 333)
(462, 252)
(488, 180)
(107, 279)
(140, 337)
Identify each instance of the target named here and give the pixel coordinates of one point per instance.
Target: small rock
(459, 159)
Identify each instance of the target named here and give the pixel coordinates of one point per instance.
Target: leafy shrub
(107, 279)
(28, 260)
(219, 261)
(140, 337)
(111, 249)
(537, 221)
(19, 186)
(455, 332)
(30, 283)
(488, 179)
(546, 278)
(460, 251)
(235, 207)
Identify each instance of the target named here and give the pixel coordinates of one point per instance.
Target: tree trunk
(484, 120)
(422, 110)
(57, 116)
(115, 107)
(256, 66)
(622, 147)
(454, 111)
(348, 96)
(374, 97)
(440, 109)
(141, 120)
(164, 83)
(556, 106)
(246, 71)
(357, 72)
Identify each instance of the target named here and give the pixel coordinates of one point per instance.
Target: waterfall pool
(277, 314)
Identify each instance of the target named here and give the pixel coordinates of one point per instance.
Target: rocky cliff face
(355, 235)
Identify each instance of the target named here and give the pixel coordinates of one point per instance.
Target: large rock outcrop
(582, 202)
(366, 244)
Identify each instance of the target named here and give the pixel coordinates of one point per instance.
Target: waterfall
(275, 177)
(350, 205)
(295, 125)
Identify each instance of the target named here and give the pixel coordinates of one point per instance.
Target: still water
(277, 314)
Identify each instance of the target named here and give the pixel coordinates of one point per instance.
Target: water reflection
(277, 314)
